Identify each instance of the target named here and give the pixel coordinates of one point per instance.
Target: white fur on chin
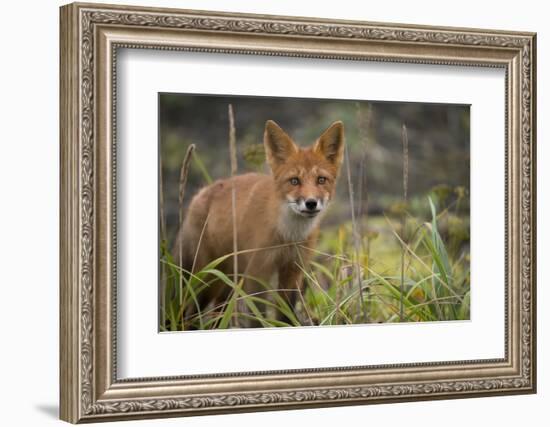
(295, 227)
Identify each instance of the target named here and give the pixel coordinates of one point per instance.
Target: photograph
(280, 212)
(261, 211)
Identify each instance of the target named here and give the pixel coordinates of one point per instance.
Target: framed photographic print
(265, 212)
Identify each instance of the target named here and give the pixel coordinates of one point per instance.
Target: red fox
(277, 215)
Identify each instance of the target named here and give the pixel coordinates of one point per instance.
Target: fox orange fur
(278, 215)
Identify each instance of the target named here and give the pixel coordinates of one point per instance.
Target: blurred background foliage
(438, 170)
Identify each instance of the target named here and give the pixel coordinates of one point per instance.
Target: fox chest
(292, 228)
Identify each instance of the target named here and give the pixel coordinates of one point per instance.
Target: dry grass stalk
(181, 195)
(405, 139)
(233, 154)
(163, 239)
(364, 120)
(356, 238)
(405, 142)
(161, 203)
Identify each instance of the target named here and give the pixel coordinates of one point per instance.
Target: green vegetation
(402, 257)
(436, 278)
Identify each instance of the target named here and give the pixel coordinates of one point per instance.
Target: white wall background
(29, 171)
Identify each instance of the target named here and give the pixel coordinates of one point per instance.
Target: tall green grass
(410, 264)
(183, 310)
(435, 284)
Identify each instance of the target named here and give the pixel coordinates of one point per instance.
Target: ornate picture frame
(90, 37)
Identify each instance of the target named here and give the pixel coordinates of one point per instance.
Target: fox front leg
(256, 277)
(290, 287)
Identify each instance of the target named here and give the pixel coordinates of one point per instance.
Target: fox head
(305, 177)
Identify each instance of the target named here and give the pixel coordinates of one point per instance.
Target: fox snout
(311, 205)
(308, 207)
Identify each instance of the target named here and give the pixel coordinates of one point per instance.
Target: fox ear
(278, 145)
(331, 144)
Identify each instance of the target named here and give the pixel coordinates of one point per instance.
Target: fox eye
(294, 181)
(321, 180)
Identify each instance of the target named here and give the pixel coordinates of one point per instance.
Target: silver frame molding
(90, 37)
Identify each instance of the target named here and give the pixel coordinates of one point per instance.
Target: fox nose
(311, 204)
